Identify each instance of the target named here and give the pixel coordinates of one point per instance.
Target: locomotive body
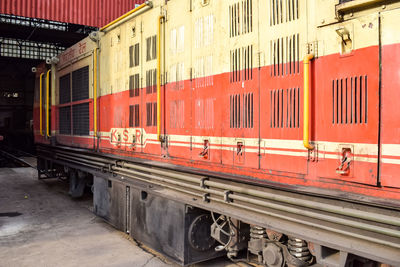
(295, 96)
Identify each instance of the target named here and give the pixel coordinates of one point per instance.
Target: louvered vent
(134, 85)
(151, 114)
(134, 115)
(282, 11)
(241, 64)
(80, 84)
(350, 100)
(151, 81)
(65, 89)
(285, 108)
(241, 110)
(80, 119)
(285, 53)
(65, 120)
(240, 18)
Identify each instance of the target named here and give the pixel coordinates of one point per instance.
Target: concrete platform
(40, 225)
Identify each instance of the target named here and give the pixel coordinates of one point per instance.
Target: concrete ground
(40, 225)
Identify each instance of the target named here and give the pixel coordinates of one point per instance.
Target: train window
(80, 84)
(134, 55)
(65, 89)
(151, 49)
(134, 85)
(134, 115)
(80, 119)
(65, 120)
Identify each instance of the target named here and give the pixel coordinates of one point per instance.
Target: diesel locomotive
(264, 130)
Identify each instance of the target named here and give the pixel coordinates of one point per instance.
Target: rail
(95, 91)
(112, 23)
(160, 18)
(306, 102)
(41, 103)
(48, 103)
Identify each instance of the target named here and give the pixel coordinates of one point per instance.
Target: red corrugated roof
(96, 13)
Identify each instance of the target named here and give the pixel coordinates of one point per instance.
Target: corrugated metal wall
(96, 13)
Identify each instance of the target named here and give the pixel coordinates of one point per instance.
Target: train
(266, 131)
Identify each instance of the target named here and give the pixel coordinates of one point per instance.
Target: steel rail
(306, 101)
(48, 103)
(41, 103)
(133, 11)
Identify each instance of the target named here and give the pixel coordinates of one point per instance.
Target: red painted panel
(390, 126)
(96, 13)
(342, 112)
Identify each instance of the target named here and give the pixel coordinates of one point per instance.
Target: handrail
(147, 3)
(41, 103)
(160, 18)
(306, 115)
(95, 92)
(47, 102)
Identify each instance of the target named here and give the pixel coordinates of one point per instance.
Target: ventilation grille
(176, 76)
(65, 89)
(285, 108)
(134, 85)
(151, 81)
(241, 18)
(204, 113)
(177, 114)
(151, 50)
(151, 114)
(134, 114)
(80, 84)
(285, 53)
(241, 111)
(282, 11)
(65, 120)
(80, 119)
(241, 64)
(350, 100)
(134, 55)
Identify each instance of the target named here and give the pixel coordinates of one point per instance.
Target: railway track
(359, 228)
(16, 157)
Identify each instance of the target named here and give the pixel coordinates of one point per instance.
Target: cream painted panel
(270, 31)
(391, 22)
(363, 33)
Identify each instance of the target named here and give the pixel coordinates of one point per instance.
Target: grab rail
(95, 91)
(306, 115)
(147, 3)
(41, 103)
(47, 103)
(160, 18)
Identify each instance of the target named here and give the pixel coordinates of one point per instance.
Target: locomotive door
(207, 81)
(390, 124)
(281, 85)
(149, 37)
(345, 104)
(178, 87)
(240, 141)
